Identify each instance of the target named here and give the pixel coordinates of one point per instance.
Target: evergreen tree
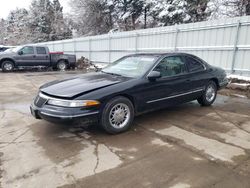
(46, 21)
(92, 17)
(169, 12)
(60, 30)
(16, 27)
(40, 21)
(197, 10)
(128, 12)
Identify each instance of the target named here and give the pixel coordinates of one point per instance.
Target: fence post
(235, 47)
(63, 46)
(136, 42)
(176, 39)
(109, 48)
(53, 45)
(90, 49)
(74, 43)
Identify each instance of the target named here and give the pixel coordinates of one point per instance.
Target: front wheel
(209, 95)
(117, 115)
(7, 66)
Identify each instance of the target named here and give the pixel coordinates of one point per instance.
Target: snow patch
(244, 78)
(181, 185)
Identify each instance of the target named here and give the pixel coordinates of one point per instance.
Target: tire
(117, 115)
(61, 65)
(8, 66)
(209, 95)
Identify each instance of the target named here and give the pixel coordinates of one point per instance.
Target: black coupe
(130, 86)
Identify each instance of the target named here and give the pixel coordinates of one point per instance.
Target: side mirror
(153, 75)
(20, 53)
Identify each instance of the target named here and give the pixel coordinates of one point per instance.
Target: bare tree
(229, 8)
(3, 32)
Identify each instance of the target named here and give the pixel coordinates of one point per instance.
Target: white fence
(224, 43)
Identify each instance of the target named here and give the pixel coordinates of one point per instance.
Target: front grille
(39, 101)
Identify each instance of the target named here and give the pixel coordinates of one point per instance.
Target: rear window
(194, 65)
(41, 50)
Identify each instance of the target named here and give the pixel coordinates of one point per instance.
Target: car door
(170, 88)
(42, 56)
(197, 75)
(26, 56)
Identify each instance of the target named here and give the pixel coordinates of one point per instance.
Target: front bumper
(62, 114)
(223, 83)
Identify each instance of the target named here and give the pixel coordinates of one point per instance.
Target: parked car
(130, 86)
(30, 56)
(4, 48)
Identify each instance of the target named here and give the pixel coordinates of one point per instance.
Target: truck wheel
(61, 65)
(117, 115)
(73, 67)
(7, 66)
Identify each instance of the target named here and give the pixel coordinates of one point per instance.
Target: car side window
(41, 50)
(194, 65)
(27, 50)
(171, 66)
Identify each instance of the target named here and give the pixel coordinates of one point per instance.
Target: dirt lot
(181, 147)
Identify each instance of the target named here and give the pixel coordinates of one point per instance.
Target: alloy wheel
(210, 93)
(119, 115)
(8, 66)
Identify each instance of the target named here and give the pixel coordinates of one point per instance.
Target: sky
(9, 5)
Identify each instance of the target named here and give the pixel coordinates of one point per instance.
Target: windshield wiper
(114, 74)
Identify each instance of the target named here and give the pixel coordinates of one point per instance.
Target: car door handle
(188, 80)
(34, 56)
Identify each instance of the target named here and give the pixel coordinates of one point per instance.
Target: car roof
(158, 54)
(35, 45)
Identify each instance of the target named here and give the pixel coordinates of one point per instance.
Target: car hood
(6, 54)
(75, 86)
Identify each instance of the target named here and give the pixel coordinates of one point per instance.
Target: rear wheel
(61, 65)
(117, 115)
(209, 96)
(7, 66)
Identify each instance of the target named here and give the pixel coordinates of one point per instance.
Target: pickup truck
(34, 55)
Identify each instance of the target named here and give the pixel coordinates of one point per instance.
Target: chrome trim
(223, 83)
(173, 96)
(69, 116)
(52, 98)
(63, 100)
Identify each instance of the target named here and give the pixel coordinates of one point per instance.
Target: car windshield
(132, 66)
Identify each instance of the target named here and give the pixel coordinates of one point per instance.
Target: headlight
(73, 103)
